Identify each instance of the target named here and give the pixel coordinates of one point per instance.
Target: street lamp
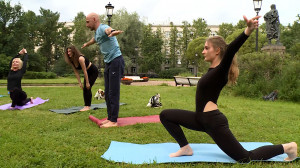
(257, 7)
(109, 12)
(196, 61)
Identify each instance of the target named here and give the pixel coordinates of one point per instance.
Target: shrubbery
(261, 73)
(39, 75)
(168, 74)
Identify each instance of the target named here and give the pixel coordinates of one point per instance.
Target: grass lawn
(36, 137)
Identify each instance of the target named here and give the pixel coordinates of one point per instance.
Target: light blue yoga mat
(159, 153)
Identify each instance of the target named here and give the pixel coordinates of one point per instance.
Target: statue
(272, 24)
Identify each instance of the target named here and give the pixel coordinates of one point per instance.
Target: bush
(168, 74)
(39, 75)
(261, 73)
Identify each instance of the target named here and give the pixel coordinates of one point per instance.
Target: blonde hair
(20, 63)
(219, 42)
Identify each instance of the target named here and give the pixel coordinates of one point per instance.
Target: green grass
(36, 137)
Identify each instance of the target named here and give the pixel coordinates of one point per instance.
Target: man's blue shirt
(109, 46)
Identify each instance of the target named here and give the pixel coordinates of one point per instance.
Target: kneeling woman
(74, 58)
(15, 75)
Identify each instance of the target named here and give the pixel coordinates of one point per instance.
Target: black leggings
(87, 93)
(18, 97)
(215, 124)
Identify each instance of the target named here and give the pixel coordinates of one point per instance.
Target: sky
(215, 12)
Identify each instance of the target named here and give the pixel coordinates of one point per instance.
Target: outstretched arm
(24, 52)
(235, 45)
(92, 41)
(252, 24)
(112, 32)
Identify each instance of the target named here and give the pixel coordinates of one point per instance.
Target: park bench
(191, 81)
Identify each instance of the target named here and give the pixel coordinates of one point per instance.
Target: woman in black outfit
(15, 75)
(78, 62)
(207, 117)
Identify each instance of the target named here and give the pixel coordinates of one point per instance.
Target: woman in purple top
(207, 117)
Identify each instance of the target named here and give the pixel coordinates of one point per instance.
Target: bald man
(114, 65)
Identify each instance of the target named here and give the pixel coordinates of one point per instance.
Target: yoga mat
(36, 102)
(76, 109)
(3, 95)
(159, 153)
(129, 120)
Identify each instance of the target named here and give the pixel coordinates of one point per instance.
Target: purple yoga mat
(36, 102)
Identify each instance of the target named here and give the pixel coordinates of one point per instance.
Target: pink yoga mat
(129, 120)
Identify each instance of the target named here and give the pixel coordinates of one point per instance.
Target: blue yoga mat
(159, 153)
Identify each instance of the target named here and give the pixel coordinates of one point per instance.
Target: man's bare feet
(291, 150)
(31, 100)
(104, 122)
(86, 108)
(184, 151)
(109, 124)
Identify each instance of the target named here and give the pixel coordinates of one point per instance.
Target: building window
(133, 69)
(167, 62)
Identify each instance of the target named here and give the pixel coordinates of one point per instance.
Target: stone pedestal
(274, 49)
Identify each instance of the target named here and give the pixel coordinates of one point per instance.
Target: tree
(240, 25)
(48, 33)
(184, 41)
(249, 45)
(132, 27)
(173, 45)
(151, 46)
(9, 25)
(196, 47)
(290, 37)
(225, 29)
(200, 29)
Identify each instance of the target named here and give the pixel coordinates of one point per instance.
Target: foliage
(173, 45)
(39, 75)
(10, 28)
(200, 29)
(48, 32)
(151, 46)
(225, 29)
(130, 39)
(184, 42)
(194, 54)
(249, 45)
(170, 73)
(4, 68)
(261, 73)
(290, 37)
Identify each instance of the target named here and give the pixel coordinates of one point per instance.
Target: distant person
(15, 75)
(272, 24)
(114, 65)
(207, 117)
(79, 62)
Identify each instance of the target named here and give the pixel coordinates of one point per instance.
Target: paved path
(153, 83)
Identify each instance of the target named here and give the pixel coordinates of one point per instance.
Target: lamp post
(109, 12)
(196, 61)
(257, 7)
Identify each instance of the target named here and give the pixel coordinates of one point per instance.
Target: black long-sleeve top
(14, 77)
(211, 84)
